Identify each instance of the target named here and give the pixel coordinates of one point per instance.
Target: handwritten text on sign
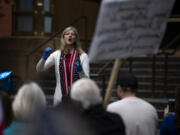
(128, 28)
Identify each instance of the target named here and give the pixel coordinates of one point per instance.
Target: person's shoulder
(146, 102)
(148, 106)
(114, 105)
(56, 52)
(169, 120)
(170, 117)
(83, 54)
(113, 115)
(14, 127)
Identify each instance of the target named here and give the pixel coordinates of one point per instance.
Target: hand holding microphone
(46, 53)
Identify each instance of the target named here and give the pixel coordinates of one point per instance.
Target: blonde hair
(77, 44)
(28, 102)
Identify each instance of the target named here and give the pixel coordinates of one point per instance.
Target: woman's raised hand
(46, 53)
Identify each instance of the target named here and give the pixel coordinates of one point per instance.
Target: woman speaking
(71, 63)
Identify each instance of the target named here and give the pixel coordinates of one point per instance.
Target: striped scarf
(63, 72)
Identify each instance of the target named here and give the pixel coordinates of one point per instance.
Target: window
(26, 5)
(33, 17)
(47, 5)
(25, 23)
(47, 24)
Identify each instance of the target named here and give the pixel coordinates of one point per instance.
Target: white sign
(127, 28)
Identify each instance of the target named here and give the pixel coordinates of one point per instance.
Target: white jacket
(54, 59)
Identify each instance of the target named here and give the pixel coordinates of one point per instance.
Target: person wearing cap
(139, 116)
(71, 63)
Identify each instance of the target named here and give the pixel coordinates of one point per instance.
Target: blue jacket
(15, 128)
(168, 126)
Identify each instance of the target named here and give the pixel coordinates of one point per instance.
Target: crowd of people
(78, 103)
(84, 113)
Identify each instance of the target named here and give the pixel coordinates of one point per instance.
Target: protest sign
(127, 28)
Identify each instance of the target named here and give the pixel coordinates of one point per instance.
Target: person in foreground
(71, 63)
(87, 95)
(171, 122)
(7, 108)
(139, 116)
(27, 105)
(62, 119)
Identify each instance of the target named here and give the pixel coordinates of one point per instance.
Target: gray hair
(86, 92)
(28, 102)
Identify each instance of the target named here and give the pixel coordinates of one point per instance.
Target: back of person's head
(86, 92)
(128, 81)
(28, 102)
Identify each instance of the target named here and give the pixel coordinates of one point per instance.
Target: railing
(176, 39)
(167, 54)
(53, 36)
(102, 74)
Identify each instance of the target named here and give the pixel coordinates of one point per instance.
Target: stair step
(142, 68)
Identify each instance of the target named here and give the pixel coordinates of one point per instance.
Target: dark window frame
(37, 14)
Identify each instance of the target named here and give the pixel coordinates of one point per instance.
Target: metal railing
(52, 37)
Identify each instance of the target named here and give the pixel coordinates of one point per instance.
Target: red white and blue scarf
(65, 87)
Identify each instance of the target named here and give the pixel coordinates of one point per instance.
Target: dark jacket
(104, 123)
